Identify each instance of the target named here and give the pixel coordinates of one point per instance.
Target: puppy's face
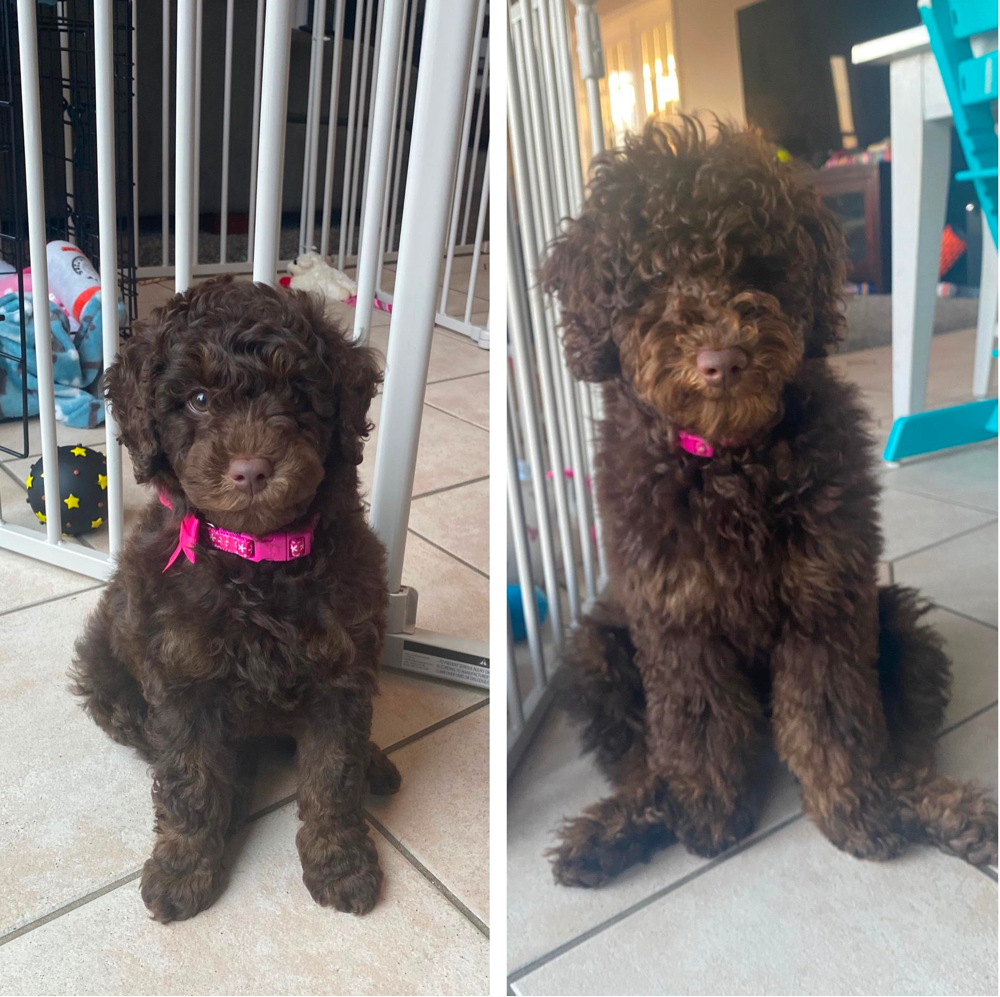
(245, 399)
(701, 272)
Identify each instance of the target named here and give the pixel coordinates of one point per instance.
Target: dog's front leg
(340, 865)
(829, 725)
(192, 800)
(702, 732)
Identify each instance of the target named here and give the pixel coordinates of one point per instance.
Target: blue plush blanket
(76, 362)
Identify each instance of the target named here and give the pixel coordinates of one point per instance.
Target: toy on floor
(311, 272)
(77, 338)
(515, 605)
(83, 490)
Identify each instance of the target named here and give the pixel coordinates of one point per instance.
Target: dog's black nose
(721, 368)
(250, 474)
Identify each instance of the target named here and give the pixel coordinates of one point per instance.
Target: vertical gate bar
(358, 175)
(546, 57)
(477, 131)
(313, 109)
(104, 79)
(529, 245)
(273, 111)
(365, 174)
(258, 61)
(393, 134)
(227, 96)
(484, 200)
(165, 135)
(578, 431)
(34, 166)
(352, 104)
(463, 151)
(591, 58)
(522, 557)
(560, 34)
(535, 181)
(544, 132)
(184, 144)
(513, 686)
(524, 369)
(196, 174)
(588, 48)
(314, 140)
(436, 131)
(135, 125)
(404, 107)
(380, 129)
(331, 134)
(67, 125)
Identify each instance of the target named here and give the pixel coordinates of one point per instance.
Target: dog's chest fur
(704, 544)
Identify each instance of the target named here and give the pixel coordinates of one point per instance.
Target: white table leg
(921, 154)
(987, 321)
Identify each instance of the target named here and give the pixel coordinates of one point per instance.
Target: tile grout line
(944, 540)
(610, 922)
(447, 721)
(428, 875)
(468, 422)
(67, 908)
(964, 616)
(567, 946)
(936, 498)
(448, 488)
(251, 818)
(444, 550)
(459, 377)
(54, 598)
(961, 723)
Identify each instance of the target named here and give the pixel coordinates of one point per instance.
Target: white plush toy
(311, 272)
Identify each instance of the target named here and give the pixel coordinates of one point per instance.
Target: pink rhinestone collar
(288, 545)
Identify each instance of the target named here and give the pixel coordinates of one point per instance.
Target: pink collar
(694, 444)
(286, 546)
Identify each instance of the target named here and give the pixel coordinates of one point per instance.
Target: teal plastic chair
(971, 85)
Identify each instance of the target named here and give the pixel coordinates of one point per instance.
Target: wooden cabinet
(858, 195)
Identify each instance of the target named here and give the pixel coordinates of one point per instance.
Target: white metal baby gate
(430, 194)
(550, 415)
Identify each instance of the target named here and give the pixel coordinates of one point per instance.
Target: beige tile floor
(786, 913)
(75, 813)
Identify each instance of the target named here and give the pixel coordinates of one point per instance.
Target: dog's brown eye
(659, 277)
(199, 401)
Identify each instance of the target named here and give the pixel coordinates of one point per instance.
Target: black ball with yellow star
(83, 490)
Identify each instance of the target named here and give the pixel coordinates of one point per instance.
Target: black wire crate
(67, 93)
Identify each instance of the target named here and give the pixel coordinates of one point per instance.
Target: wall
(708, 56)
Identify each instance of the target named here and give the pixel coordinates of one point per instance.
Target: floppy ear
(128, 384)
(580, 273)
(828, 251)
(358, 379)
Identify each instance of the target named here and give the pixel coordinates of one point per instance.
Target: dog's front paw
(172, 897)
(340, 867)
(870, 831)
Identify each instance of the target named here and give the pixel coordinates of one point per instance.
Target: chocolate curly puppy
(702, 286)
(250, 600)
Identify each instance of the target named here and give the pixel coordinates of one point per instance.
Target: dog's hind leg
(383, 776)
(110, 694)
(952, 815)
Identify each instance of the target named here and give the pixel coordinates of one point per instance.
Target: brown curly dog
(702, 286)
(246, 409)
